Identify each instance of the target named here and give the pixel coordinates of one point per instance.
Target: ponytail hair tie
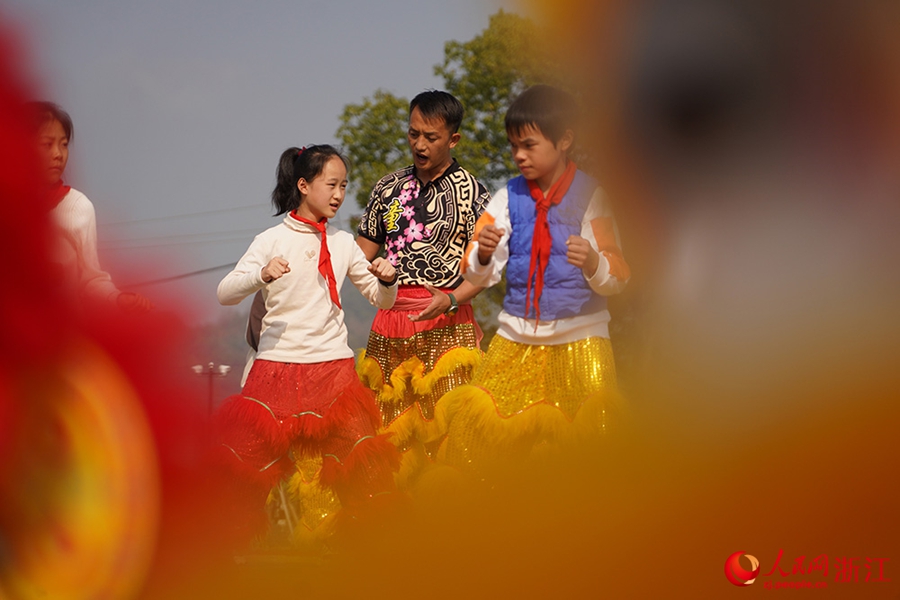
(296, 160)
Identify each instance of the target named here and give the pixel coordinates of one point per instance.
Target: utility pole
(211, 371)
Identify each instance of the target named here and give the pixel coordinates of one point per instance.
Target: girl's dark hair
(435, 104)
(41, 112)
(296, 164)
(544, 107)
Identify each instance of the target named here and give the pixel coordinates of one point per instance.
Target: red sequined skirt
(287, 411)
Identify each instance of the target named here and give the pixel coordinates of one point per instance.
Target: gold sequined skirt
(418, 370)
(524, 396)
(564, 375)
(410, 366)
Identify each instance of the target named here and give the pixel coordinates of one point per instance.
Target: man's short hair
(544, 107)
(435, 104)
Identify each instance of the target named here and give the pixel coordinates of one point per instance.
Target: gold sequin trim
(314, 503)
(564, 375)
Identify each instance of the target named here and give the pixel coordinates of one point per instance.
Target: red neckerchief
(542, 241)
(324, 257)
(58, 192)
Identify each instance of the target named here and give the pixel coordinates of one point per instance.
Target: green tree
(373, 134)
(486, 74)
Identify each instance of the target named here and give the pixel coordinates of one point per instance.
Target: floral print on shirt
(424, 228)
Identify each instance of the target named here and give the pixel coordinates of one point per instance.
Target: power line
(109, 245)
(184, 216)
(113, 242)
(177, 277)
(187, 243)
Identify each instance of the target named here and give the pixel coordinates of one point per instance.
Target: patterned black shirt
(425, 228)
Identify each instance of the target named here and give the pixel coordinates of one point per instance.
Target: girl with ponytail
(302, 397)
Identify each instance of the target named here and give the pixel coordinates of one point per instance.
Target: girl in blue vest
(549, 374)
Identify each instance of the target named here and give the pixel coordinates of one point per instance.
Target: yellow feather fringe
(411, 373)
(469, 414)
(412, 463)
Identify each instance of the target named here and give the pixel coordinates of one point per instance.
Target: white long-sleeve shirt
(77, 250)
(302, 324)
(599, 229)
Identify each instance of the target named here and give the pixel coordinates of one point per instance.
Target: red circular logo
(737, 574)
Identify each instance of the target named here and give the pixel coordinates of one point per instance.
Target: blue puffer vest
(566, 293)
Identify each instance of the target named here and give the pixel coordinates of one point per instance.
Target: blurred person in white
(74, 214)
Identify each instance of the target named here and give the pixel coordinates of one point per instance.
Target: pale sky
(184, 107)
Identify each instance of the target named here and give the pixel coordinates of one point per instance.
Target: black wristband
(392, 281)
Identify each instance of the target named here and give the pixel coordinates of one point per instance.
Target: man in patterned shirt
(423, 217)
